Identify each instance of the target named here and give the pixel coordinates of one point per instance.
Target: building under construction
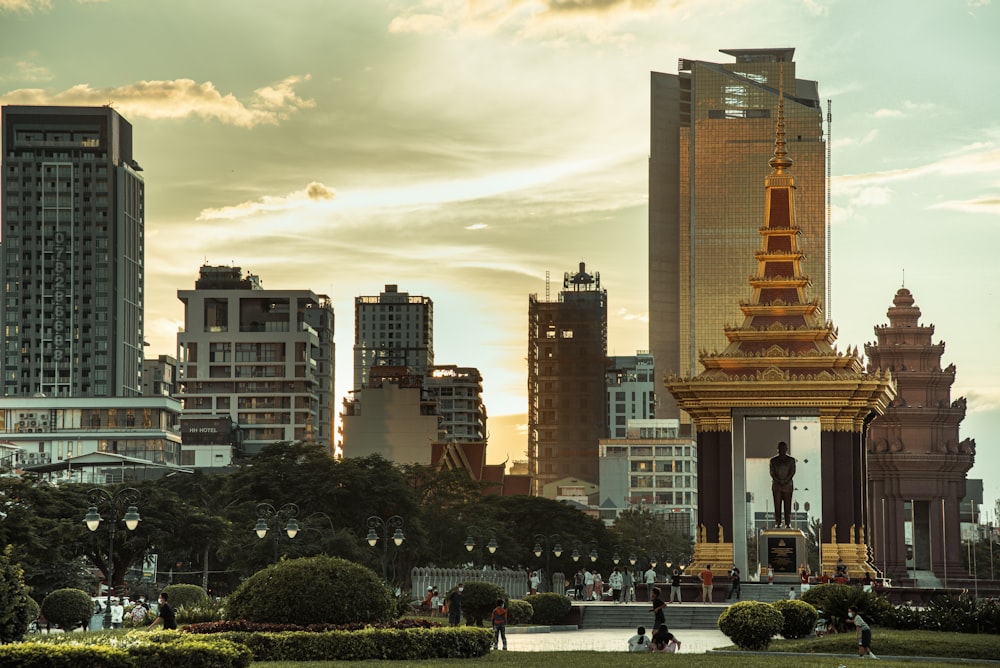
(567, 360)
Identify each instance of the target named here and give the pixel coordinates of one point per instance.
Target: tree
(646, 534)
(15, 605)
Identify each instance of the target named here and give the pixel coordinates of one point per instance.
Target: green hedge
(800, 618)
(549, 608)
(519, 612)
(751, 624)
(131, 650)
(386, 644)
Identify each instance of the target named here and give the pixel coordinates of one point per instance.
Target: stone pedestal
(784, 550)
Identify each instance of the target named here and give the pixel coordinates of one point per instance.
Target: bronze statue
(782, 472)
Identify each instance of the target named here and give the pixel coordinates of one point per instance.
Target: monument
(782, 379)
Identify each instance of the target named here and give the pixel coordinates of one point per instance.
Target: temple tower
(917, 464)
(781, 378)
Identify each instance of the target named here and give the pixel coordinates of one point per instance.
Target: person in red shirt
(499, 625)
(706, 583)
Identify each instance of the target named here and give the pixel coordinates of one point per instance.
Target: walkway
(605, 640)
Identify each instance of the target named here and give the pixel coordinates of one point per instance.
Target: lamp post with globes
(555, 542)
(474, 532)
(125, 499)
(281, 519)
(379, 528)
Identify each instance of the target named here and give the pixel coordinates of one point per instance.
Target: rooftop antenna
(904, 277)
(546, 285)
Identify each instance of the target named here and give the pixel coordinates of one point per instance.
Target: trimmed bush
(478, 601)
(185, 595)
(149, 650)
(833, 600)
(67, 608)
(314, 590)
(519, 612)
(751, 624)
(548, 608)
(800, 618)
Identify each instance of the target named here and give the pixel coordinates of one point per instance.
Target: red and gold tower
(782, 362)
(917, 462)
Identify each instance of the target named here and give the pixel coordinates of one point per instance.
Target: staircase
(633, 615)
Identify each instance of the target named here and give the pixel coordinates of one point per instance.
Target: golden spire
(780, 162)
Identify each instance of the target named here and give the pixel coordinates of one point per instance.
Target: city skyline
(461, 150)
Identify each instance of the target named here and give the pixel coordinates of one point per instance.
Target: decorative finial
(904, 277)
(780, 162)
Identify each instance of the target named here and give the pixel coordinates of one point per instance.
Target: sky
(462, 149)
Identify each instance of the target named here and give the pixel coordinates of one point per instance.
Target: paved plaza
(607, 640)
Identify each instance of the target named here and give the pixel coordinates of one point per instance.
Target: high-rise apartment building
(567, 360)
(631, 390)
(393, 329)
(72, 262)
(263, 358)
(711, 136)
(459, 394)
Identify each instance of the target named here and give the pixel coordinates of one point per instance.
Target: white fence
(515, 583)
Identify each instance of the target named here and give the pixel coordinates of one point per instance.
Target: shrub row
(146, 650)
(414, 644)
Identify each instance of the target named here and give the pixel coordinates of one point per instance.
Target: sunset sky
(462, 148)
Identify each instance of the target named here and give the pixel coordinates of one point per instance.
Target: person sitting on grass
(665, 641)
(639, 642)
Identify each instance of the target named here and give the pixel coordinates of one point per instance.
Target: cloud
(624, 314)
(593, 20)
(976, 205)
(24, 70)
(908, 110)
(28, 6)
(178, 99)
(848, 142)
(314, 192)
(477, 226)
(888, 113)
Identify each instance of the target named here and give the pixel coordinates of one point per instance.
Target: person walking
(117, 613)
(659, 618)
(863, 632)
(675, 587)
(626, 585)
(598, 586)
(164, 615)
(455, 605)
(770, 574)
(499, 625)
(734, 588)
(706, 583)
(535, 580)
(650, 581)
(588, 583)
(615, 583)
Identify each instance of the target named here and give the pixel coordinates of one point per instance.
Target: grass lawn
(952, 647)
(578, 659)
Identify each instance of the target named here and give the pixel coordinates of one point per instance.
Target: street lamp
(578, 554)
(474, 532)
(557, 550)
(285, 514)
(129, 497)
(616, 555)
(377, 526)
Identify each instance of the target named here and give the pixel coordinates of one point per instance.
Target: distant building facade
(73, 265)
(458, 392)
(651, 465)
(50, 430)
(159, 376)
(710, 141)
(262, 358)
(631, 388)
(567, 361)
(393, 329)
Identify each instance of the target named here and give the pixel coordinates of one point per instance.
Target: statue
(782, 472)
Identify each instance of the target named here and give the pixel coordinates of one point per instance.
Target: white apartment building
(263, 358)
(393, 329)
(631, 389)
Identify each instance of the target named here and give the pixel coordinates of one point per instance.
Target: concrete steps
(632, 615)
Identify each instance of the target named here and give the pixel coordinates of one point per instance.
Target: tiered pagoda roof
(783, 354)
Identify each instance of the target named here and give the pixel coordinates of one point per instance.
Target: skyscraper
(567, 360)
(393, 329)
(711, 136)
(72, 263)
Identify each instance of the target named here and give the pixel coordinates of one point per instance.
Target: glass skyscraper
(711, 135)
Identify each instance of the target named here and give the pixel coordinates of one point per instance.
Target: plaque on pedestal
(783, 550)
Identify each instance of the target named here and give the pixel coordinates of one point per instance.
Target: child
(664, 641)
(499, 625)
(863, 632)
(639, 642)
(435, 603)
